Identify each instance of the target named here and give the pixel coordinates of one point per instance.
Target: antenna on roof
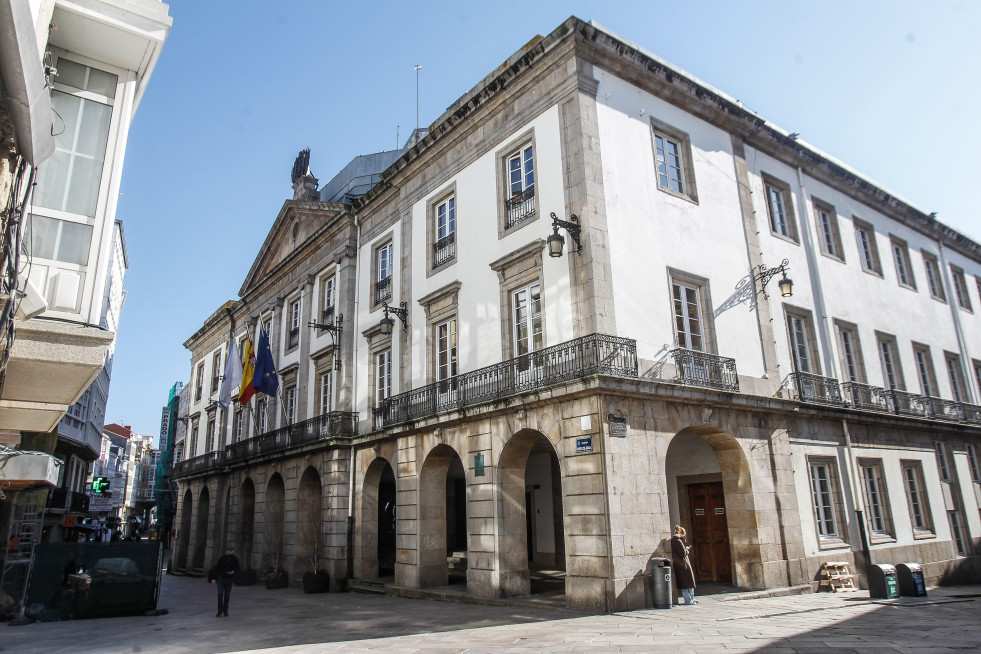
(418, 68)
(397, 136)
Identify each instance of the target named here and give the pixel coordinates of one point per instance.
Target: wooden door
(709, 537)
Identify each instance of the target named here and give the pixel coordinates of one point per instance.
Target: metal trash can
(882, 581)
(910, 576)
(661, 584)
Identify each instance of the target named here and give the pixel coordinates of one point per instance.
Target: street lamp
(764, 275)
(556, 241)
(387, 323)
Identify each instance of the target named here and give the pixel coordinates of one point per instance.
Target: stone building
(733, 332)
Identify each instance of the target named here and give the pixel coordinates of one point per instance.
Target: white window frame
(960, 288)
(876, 498)
(943, 461)
(934, 281)
(957, 532)
(519, 170)
(383, 376)
(526, 316)
(904, 271)
(291, 405)
(681, 301)
(868, 252)
(262, 416)
(801, 340)
(326, 392)
(956, 376)
(823, 499)
(779, 208)
(851, 356)
(827, 224)
(916, 498)
(924, 370)
(892, 371)
(446, 349)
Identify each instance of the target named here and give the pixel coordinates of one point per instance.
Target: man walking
(224, 576)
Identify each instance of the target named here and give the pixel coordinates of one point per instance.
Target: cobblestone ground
(289, 622)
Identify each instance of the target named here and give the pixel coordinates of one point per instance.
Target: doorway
(709, 538)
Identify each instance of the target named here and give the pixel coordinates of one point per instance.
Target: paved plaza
(290, 622)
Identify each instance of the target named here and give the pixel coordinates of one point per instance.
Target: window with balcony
(519, 198)
(919, 508)
(924, 369)
(329, 300)
(960, 288)
(443, 231)
(826, 497)
(383, 264)
(238, 424)
(900, 254)
(673, 160)
(876, 499)
(261, 416)
(802, 343)
(944, 463)
(290, 405)
(526, 316)
(892, 371)
(686, 300)
(193, 441)
(850, 352)
(974, 463)
(293, 333)
(383, 376)
(326, 392)
(446, 350)
(211, 435)
(934, 282)
(868, 253)
(199, 382)
(826, 221)
(780, 208)
(215, 372)
(956, 377)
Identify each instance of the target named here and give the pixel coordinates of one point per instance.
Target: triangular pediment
(298, 221)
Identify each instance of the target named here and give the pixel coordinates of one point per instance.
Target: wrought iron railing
(864, 396)
(324, 427)
(293, 338)
(809, 387)
(62, 499)
(971, 413)
(198, 463)
(594, 354)
(327, 317)
(943, 409)
(906, 404)
(694, 368)
(383, 290)
(444, 249)
(520, 207)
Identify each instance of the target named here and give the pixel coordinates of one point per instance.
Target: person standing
(224, 576)
(684, 575)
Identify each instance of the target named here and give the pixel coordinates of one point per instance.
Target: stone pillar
(407, 514)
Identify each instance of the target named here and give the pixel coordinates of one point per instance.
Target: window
(330, 298)
(892, 372)
(215, 372)
(193, 442)
(672, 160)
(326, 392)
(526, 314)
(827, 226)
(293, 335)
(383, 376)
(924, 370)
(261, 415)
(238, 424)
(973, 463)
(290, 405)
(199, 383)
(446, 350)
(802, 343)
(900, 253)
(919, 510)
(519, 199)
(825, 495)
(943, 462)
(779, 208)
(957, 532)
(444, 231)
(383, 273)
(868, 253)
(956, 376)
(852, 364)
(876, 498)
(960, 288)
(933, 277)
(211, 435)
(59, 240)
(687, 316)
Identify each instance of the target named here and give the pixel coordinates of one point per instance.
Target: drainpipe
(354, 398)
(858, 498)
(824, 332)
(955, 312)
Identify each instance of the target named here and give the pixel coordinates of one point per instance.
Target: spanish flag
(248, 370)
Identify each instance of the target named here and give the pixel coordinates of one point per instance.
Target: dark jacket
(684, 576)
(226, 567)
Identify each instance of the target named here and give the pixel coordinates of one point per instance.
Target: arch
(378, 520)
(273, 521)
(442, 517)
(184, 535)
(705, 466)
(226, 518)
(201, 529)
(532, 534)
(309, 519)
(247, 530)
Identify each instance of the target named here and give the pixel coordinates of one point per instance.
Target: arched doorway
(201, 529)
(377, 517)
(710, 494)
(247, 534)
(442, 519)
(532, 535)
(184, 536)
(309, 519)
(273, 520)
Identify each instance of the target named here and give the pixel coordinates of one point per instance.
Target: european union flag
(265, 379)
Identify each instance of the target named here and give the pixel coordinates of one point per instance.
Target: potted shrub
(316, 582)
(311, 541)
(246, 577)
(277, 578)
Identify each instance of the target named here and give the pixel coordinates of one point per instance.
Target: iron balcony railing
(327, 317)
(906, 404)
(971, 413)
(589, 355)
(199, 463)
(943, 409)
(293, 338)
(444, 249)
(383, 290)
(694, 368)
(520, 207)
(809, 387)
(62, 499)
(864, 396)
(325, 427)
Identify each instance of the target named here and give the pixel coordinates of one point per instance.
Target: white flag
(232, 378)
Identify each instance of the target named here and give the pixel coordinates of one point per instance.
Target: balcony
(943, 409)
(62, 499)
(383, 290)
(520, 207)
(906, 404)
(693, 368)
(589, 355)
(863, 396)
(444, 250)
(198, 463)
(327, 316)
(808, 387)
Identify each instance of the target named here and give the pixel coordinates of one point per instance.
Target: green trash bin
(883, 583)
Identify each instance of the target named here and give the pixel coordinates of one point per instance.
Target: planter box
(277, 579)
(246, 577)
(316, 582)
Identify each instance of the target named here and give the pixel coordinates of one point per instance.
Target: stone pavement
(289, 622)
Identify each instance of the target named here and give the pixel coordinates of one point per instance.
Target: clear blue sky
(891, 88)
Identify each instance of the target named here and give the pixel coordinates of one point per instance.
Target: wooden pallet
(837, 576)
